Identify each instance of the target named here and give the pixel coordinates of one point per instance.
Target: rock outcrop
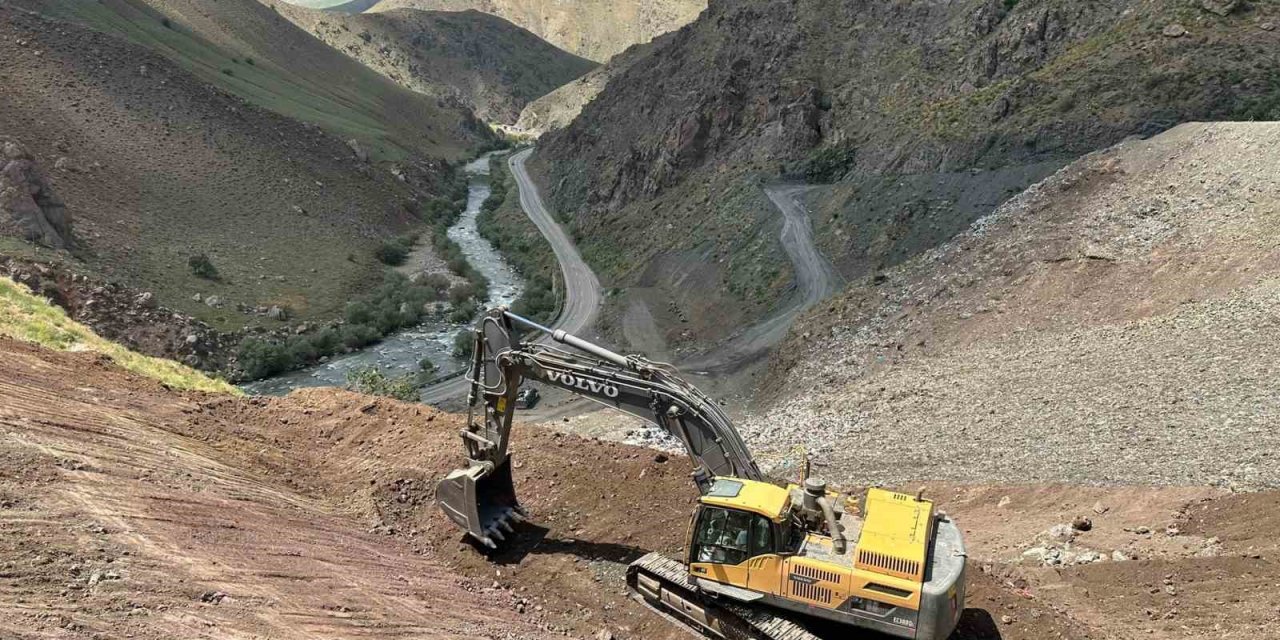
(28, 206)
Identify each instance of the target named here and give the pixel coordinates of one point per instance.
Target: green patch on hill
(259, 66)
(24, 316)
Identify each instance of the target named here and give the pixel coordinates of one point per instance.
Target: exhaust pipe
(815, 499)
(481, 499)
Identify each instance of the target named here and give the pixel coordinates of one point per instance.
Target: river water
(400, 352)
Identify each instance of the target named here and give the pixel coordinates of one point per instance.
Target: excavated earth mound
(129, 510)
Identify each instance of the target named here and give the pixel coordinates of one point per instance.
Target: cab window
(730, 537)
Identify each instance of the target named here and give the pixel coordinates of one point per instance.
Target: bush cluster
(371, 381)
(395, 251)
(395, 304)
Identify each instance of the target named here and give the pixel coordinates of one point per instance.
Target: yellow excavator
(763, 561)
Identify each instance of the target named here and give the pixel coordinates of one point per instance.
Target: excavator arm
(481, 496)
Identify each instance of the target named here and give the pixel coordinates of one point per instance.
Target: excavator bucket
(483, 503)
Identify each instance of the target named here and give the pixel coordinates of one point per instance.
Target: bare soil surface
(128, 510)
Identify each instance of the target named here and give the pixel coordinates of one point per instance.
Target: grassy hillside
(248, 50)
(158, 168)
(465, 59)
(593, 29)
(24, 316)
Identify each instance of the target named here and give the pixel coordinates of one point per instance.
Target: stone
(1061, 532)
(1004, 502)
(1082, 523)
(1119, 556)
(63, 164)
(1267, 26)
(1174, 30)
(197, 298)
(277, 313)
(1220, 7)
(1099, 508)
(1007, 619)
(145, 299)
(213, 301)
(1088, 557)
(360, 153)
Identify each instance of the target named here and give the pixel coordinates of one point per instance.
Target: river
(400, 353)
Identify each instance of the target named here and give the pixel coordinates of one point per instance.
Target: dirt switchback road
(816, 278)
(581, 286)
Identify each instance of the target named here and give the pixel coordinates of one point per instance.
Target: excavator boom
(481, 497)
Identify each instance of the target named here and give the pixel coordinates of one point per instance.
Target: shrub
(371, 381)
(228, 72)
(392, 252)
(260, 358)
(202, 267)
(463, 343)
(355, 336)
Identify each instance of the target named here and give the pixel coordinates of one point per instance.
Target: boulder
(360, 153)
(28, 206)
(277, 313)
(1174, 30)
(1220, 7)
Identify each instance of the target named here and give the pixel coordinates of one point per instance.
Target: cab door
(764, 569)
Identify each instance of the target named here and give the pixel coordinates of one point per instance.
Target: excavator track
(663, 585)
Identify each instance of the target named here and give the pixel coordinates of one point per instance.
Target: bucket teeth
(506, 527)
(497, 534)
(488, 542)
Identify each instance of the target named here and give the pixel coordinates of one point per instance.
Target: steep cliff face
(594, 29)
(987, 92)
(465, 59)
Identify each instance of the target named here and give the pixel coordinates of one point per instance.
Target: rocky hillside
(219, 206)
(555, 110)
(1109, 325)
(593, 29)
(465, 59)
(926, 116)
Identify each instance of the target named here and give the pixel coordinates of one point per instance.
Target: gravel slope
(1114, 324)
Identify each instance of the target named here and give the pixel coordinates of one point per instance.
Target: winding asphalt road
(581, 286)
(816, 279)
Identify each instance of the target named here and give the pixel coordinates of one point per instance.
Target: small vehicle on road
(527, 398)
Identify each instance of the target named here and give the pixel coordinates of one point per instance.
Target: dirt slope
(594, 29)
(128, 509)
(468, 59)
(964, 102)
(156, 166)
(1106, 326)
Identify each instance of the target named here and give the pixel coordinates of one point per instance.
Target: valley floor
(129, 510)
